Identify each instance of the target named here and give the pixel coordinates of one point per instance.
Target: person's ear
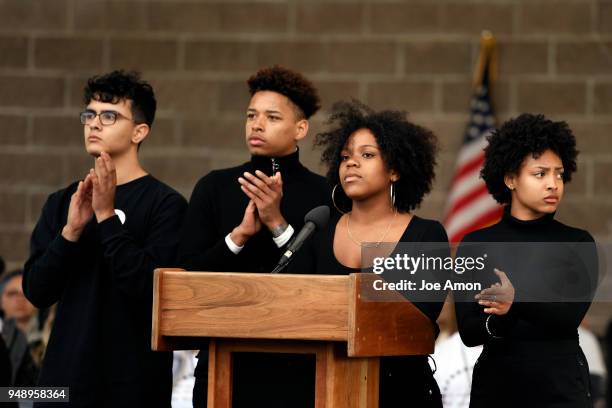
(510, 181)
(140, 133)
(301, 128)
(393, 176)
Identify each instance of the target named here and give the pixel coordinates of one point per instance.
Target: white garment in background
(183, 366)
(455, 363)
(592, 351)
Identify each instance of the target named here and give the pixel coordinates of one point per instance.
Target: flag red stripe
(478, 223)
(468, 167)
(465, 200)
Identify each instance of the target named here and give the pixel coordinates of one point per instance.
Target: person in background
(20, 330)
(597, 366)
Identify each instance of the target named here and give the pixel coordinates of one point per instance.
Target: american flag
(470, 206)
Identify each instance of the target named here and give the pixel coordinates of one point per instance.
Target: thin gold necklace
(368, 245)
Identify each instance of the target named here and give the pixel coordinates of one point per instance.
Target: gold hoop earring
(334, 200)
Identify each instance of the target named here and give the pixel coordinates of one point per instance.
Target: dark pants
(200, 392)
(407, 381)
(544, 376)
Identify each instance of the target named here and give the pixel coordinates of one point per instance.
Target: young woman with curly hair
(537, 295)
(382, 165)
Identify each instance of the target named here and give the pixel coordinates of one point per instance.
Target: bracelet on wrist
(279, 230)
(489, 329)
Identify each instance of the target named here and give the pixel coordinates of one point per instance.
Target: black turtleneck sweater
(216, 207)
(537, 244)
(531, 355)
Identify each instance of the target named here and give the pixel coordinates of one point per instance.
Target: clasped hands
(265, 194)
(94, 195)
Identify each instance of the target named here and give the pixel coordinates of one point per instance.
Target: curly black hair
(119, 85)
(290, 83)
(515, 140)
(407, 148)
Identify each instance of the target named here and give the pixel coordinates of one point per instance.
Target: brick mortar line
(283, 36)
(28, 189)
(445, 117)
(24, 111)
(322, 2)
(224, 78)
(599, 158)
(579, 199)
(40, 150)
(13, 227)
(148, 152)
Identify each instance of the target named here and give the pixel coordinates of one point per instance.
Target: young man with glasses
(239, 219)
(93, 251)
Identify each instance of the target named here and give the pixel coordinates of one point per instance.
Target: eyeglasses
(107, 117)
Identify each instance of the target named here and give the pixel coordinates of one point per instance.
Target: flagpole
(487, 57)
(470, 206)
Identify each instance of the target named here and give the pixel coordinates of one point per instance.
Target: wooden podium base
(340, 381)
(330, 316)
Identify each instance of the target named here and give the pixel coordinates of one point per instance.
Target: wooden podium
(329, 316)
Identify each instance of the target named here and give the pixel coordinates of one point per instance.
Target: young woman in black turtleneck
(531, 356)
(382, 166)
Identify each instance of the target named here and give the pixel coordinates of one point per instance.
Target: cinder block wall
(555, 58)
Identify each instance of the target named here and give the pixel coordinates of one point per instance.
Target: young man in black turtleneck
(239, 219)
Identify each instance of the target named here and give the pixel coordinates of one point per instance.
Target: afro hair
(407, 148)
(515, 140)
(286, 82)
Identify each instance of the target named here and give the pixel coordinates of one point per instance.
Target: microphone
(314, 219)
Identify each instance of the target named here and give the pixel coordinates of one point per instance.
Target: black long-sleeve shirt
(216, 207)
(100, 344)
(317, 256)
(407, 375)
(531, 355)
(536, 247)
